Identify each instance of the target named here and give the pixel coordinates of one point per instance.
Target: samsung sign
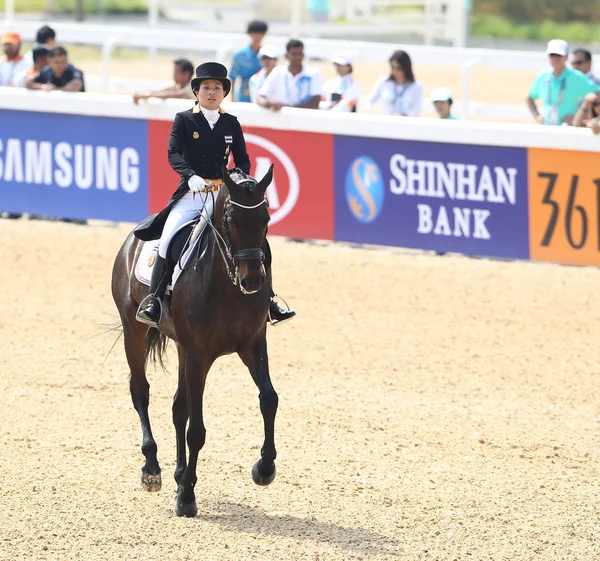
(73, 166)
(67, 165)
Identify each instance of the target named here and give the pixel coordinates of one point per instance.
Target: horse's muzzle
(250, 284)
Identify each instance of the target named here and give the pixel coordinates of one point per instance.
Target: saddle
(187, 245)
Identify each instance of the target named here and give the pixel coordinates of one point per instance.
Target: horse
(219, 307)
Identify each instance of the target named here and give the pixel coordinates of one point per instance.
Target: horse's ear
(230, 183)
(266, 180)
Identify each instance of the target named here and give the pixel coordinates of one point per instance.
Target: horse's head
(245, 221)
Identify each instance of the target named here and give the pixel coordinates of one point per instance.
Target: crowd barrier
(486, 189)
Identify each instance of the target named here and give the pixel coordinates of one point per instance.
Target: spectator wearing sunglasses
(560, 89)
(582, 61)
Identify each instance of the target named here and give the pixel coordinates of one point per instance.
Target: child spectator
(442, 103)
(342, 92)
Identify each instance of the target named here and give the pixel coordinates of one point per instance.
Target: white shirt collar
(211, 115)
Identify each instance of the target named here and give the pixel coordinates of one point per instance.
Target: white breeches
(184, 210)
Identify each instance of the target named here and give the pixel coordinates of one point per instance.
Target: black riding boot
(152, 313)
(277, 314)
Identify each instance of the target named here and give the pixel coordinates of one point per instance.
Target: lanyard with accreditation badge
(553, 111)
(299, 82)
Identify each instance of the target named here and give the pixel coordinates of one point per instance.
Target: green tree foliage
(540, 10)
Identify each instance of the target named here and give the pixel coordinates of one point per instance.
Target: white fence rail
(224, 44)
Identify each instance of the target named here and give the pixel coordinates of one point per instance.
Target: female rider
(199, 146)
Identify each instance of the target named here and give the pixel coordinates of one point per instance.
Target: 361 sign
(564, 206)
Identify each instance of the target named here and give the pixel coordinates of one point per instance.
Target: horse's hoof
(151, 483)
(260, 479)
(185, 509)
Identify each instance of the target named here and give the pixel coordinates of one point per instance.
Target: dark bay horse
(216, 309)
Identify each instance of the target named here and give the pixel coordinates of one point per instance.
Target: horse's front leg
(257, 361)
(196, 370)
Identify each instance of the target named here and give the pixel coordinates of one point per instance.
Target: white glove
(196, 184)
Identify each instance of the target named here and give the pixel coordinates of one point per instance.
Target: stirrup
(277, 322)
(143, 304)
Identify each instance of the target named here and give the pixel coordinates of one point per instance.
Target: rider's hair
(185, 65)
(294, 44)
(257, 26)
(402, 59)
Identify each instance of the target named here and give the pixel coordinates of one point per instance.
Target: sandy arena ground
(431, 408)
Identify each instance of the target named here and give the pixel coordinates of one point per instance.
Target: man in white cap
(561, 89)
(342, 92)
(442, 103)
(267, 56)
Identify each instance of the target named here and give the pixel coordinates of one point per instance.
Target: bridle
(224, 242)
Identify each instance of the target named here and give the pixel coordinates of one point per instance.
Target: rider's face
(211, 94)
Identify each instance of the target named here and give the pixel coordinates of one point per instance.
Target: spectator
(41, 57)
(12, 63)
(588, 110)
(582, 61)
(292, 85)
(399, 93)
(442, 103)
(59, 75)
(561, 89)
(268, 60)
(342, 92)
(183, 72)
(45, 37)
(245, 62)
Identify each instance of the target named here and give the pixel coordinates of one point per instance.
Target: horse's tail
(156, 346)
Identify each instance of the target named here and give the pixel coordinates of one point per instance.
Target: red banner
(301, 194)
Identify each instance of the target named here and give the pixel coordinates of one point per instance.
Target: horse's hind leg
(257, 361)
(135, 341)
(180, 416)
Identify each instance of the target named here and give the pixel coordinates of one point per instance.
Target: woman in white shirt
(399, 93)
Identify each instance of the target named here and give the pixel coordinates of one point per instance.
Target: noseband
(248, 254)
(224, 242)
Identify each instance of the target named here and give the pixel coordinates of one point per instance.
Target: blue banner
(432, 196)
(73, 166)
